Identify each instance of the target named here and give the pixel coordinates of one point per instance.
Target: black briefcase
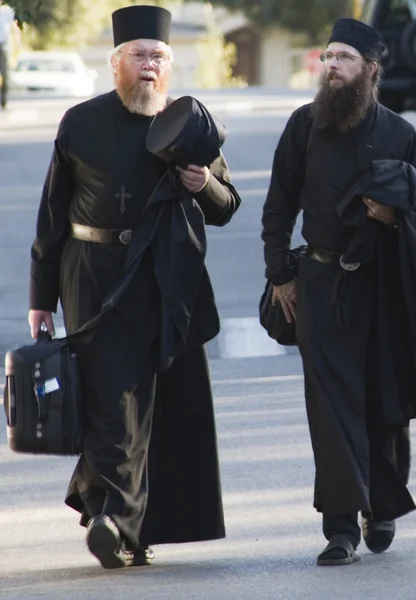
(272, 318)
(42, 398)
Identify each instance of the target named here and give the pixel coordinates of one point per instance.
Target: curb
(15, 118)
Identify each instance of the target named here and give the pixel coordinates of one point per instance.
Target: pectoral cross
(123, 195)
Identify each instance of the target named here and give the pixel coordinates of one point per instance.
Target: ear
(114, 65)
(374, 68)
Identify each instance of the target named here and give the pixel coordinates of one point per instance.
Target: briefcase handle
(43, 336)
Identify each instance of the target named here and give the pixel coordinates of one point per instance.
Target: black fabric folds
(185, 132)
(172, 227)
(392, 183)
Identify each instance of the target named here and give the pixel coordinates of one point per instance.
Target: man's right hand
(286, 295)
(37, 318)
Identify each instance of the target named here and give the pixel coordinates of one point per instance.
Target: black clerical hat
(141, 22)
(185, 132)
(360, 36)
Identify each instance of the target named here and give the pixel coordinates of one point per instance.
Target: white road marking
(258, 174)
(244, 338)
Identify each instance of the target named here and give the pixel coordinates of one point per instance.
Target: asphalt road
(273, 534)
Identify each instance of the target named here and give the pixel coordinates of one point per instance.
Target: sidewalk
(41, 111)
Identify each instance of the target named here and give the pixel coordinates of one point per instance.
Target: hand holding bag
(272, 318)
(42, 398)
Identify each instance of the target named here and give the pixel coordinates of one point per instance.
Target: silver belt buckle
(349, 266)
(125, 237)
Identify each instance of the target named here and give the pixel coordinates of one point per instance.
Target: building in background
(263, 58)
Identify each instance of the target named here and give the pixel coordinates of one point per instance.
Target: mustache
(145, 74)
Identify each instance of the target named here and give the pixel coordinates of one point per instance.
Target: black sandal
(339, 551)
(378, 535)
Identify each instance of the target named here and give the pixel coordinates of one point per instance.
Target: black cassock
(353, 330)
(150, 456)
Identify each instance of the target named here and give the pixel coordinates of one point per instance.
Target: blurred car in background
(396, 21)
(56, 73)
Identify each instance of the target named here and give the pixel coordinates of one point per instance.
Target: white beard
(143, 100)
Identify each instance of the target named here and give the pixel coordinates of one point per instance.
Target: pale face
(350, 65)
(148, 73)
(141, 71)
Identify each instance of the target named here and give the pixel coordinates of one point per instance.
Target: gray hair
(114, 53)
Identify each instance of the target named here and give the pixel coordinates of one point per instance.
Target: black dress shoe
(103, 540)
(140, 557)
(378, 535)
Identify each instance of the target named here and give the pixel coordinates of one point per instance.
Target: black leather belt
(333, 259)
(100, 236)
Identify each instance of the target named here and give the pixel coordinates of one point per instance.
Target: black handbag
(42, 395)
(272, 318)
(42, 398)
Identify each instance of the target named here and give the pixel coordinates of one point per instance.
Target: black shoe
(339, 551)
(103, 540)
(378, 535)
(140, 557)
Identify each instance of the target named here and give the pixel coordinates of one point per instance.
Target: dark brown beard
(345, 107)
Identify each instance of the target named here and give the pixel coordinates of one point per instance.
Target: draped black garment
(150, 456)
(353, 329)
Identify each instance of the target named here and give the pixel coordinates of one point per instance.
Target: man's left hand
(379, 212)
(194, 178)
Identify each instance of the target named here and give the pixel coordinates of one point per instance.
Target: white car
(59, 73)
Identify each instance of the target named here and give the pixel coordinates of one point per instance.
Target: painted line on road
(258, 174)
(245, 338)
(273, 379)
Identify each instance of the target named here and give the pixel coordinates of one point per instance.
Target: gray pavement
(273, 533)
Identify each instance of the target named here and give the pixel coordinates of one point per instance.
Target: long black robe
(170, 491)
(358, 424)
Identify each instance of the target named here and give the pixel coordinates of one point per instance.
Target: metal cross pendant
(123, 195)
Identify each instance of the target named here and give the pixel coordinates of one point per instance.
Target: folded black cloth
(186, 132)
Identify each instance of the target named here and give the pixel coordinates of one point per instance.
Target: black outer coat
(171, 491)
(353, 329)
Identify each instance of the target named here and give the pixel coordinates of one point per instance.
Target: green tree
(216, 57)
(25, 10)
(56, 23)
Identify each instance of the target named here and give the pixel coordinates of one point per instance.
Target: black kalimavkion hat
(185, 132)
(141, 22)
(360, 36)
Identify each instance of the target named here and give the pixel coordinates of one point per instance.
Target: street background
(273, 533)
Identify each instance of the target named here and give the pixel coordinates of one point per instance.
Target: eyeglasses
(139, 58)
(341, 57)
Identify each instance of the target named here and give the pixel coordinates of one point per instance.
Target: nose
(148, 59)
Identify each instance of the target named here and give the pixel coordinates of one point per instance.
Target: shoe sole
(105, 545)
(141, 562)
(379, 541)
(334, 562)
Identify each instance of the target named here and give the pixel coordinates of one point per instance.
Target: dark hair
(375, 58)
